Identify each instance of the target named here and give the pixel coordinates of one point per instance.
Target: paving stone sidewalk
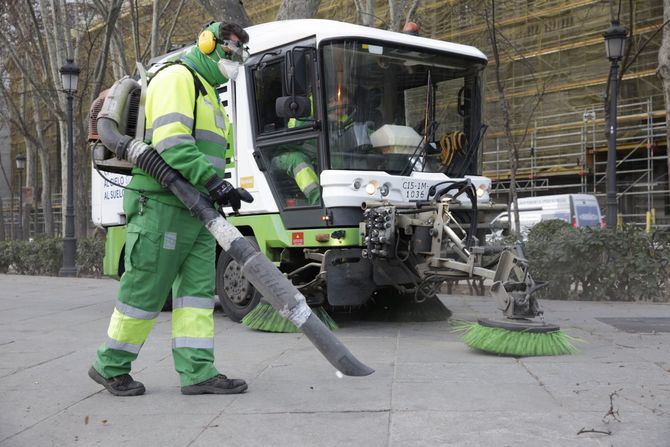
(428, 389)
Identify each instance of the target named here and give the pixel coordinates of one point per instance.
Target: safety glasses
(235, 50)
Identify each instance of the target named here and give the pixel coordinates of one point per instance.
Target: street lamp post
(69, 76)
(20, 166)
(615, 38)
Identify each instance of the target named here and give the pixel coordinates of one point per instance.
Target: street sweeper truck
(361, 149)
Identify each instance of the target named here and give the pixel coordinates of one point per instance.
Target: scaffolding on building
(567, 153)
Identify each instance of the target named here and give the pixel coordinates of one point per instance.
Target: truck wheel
(236, 295)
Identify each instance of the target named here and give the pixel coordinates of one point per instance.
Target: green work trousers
(299, 167)
(166, 248)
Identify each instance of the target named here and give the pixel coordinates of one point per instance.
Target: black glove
(225, 194)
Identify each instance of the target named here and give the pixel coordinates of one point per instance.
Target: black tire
(236, 295)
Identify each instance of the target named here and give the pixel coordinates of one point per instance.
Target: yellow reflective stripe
(125, 329)
(305, 177)
(192, 322)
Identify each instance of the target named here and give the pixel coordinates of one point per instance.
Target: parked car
(579, 210)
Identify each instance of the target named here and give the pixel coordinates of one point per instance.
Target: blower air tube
(258, 269)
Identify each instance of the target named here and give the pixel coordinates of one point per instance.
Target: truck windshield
(384, 102)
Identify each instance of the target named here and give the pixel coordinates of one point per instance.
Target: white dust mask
(229, 68)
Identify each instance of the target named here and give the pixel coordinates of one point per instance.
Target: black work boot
(122, 385)
(216, 385)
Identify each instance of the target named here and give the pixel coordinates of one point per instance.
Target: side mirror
(292, 107)
(296, 70)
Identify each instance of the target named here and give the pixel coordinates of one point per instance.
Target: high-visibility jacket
(197, 150)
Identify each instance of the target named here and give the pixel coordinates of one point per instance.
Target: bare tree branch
(103, 56)
(135, 28)
(411, 11)
(170, 33)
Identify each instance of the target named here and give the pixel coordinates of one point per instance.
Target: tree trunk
(28, 172)
(401, 12)
(396, 14)
(54, 35)
(664, 72)
(155, 28)
(31, 182)
(119, 65)
(82, 184)
(47, 208)
(366, 12)
(512, 150)
(298, 9)
(228, 11)
(2, 221)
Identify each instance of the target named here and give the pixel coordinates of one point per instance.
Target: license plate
(415, 190)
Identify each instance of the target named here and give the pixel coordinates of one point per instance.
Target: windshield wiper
(429, 128)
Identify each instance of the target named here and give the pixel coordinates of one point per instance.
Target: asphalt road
(428, 389)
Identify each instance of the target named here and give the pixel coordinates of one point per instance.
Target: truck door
(288, 151)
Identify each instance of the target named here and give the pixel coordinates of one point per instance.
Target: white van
(579, 210)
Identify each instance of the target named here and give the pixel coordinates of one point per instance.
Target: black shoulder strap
(197, 85)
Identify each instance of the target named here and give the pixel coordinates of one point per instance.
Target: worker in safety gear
(167, 248)
(298, 160)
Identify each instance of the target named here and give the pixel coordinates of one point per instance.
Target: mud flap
(348, 277)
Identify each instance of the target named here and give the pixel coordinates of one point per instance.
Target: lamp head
(615, 41)
(69, 75)
(20, 162)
